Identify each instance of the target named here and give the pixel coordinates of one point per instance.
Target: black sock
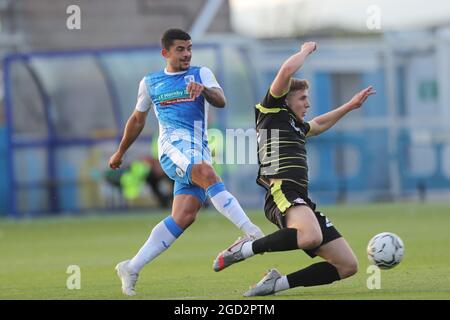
(281, 240)
(314, 275)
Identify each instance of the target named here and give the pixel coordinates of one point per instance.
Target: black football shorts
(283, 195)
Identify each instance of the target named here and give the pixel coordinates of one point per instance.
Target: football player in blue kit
(179, 96)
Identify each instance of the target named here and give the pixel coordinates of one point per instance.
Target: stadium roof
(284, 18)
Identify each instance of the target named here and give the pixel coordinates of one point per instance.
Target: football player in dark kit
(283, 171)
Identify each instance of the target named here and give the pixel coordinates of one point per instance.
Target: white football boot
(266, 286)
(127, 277)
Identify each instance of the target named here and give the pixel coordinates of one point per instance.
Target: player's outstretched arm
(133, 128)
(327, 120)
(280, 85)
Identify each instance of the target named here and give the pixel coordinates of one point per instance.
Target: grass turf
(35, 254)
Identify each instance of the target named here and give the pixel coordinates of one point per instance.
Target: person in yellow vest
(144, 171)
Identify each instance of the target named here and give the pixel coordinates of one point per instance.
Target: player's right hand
(309, 47)
(115, 161)
(195, 89)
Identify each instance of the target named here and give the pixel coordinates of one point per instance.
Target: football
(385, 250)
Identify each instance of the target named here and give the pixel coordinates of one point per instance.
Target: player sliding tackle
(282, 130)
(178, 95)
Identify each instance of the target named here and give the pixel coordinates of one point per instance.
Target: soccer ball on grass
(385, 250)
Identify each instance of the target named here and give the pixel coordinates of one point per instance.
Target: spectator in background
(147, 170)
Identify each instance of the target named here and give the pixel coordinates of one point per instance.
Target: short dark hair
(298, 84)
(171, 35)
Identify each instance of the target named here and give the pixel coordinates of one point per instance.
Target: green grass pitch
(34, 256)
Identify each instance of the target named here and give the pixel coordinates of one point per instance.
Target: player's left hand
(359, 98)
(195, 89)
